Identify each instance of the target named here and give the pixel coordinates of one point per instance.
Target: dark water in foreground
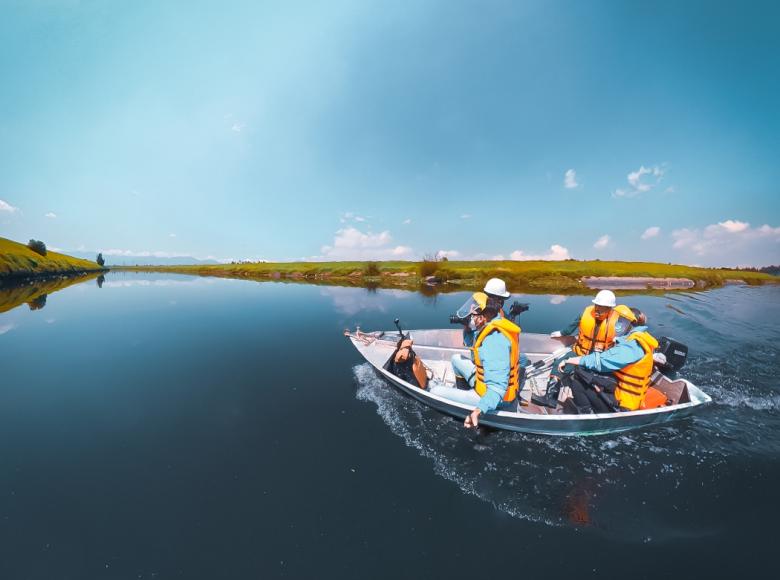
(178, 427)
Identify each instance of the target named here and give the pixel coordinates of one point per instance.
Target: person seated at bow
(494, 370)
(617, 378)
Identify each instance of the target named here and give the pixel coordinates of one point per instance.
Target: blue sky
(358, 129)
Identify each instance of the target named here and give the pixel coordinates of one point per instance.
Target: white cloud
(651, 232)
(449, 254)
(602, 242)
(558, 299)
(352, 244)
(349, 216)
(237, 127)
(7, 207)
(730, 242)
(731, 226)
(637, 185)
(570, 179)
(557, 252)
(406, 222)
(141, 254)
(465, 216)
(50, 214)
(171, 235)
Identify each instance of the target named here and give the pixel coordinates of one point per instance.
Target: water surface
(166, 426)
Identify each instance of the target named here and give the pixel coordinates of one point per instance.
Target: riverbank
(569, 276)
(17, 261)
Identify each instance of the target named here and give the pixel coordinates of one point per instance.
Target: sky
(393, 130)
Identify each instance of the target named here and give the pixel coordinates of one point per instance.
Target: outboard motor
(674, 354)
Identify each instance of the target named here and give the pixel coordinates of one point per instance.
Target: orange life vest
(634, 379)
(512, 332)
(595, 336)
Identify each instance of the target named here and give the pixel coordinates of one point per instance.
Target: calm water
(178, 427)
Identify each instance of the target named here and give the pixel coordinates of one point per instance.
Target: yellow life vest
(512, 332)
(634, 379)
(595, 336)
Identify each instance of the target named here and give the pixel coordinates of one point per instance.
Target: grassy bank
(19, 261)
(565, 276)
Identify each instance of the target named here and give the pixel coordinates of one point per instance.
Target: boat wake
(621, 485)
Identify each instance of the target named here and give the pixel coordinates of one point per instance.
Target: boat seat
(675, 391)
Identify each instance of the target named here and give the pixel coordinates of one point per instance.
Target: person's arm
(572, 328)
(622, 354)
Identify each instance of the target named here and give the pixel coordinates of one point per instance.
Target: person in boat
(494, 371)
(595, 329)
(616, 379)
(496, 288)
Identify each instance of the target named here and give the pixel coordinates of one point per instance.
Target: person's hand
(472, 420)
(562, 365)
(597, 388)
(555, 334)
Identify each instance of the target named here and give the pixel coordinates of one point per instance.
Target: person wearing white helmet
(496, 288)
(595, 333)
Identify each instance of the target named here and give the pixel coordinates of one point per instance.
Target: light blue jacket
(623, 353)
(494, 354)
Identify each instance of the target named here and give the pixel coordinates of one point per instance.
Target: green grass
(19, 261)
(536, 276)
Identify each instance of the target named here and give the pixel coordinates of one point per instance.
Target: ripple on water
(588, 482)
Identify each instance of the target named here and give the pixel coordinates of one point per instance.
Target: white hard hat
(605, 298)
(496, 287)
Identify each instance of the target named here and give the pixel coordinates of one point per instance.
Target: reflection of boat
(436, 347)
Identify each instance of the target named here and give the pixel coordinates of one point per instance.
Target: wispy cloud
(465, 216)
(570, 179)
(352, 217)
(406, 222)
(7, 207)
(556, 253)
(50, 214)
(651, 232)
(237, 127)
(171, 235)
(641, 181)
(602, 242)
(352, 244)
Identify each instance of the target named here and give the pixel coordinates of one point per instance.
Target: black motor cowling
(676, 354)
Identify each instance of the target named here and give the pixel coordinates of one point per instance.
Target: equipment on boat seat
(404, 362)
(653, 399)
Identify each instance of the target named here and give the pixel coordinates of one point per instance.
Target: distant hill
(141, 260)
(17, 260)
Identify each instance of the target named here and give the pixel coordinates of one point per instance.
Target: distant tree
(445, 259)
(372, 269)
(37, 246)
(428, 266)
(100, 261)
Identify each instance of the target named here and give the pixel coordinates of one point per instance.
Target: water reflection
(34, 293)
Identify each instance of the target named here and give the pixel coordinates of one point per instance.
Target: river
(167, 426)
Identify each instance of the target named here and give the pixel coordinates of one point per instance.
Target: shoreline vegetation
(568, 276)
(19, 262)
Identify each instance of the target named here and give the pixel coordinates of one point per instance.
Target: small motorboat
(679, 397)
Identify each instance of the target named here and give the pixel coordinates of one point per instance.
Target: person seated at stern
(617, 378)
